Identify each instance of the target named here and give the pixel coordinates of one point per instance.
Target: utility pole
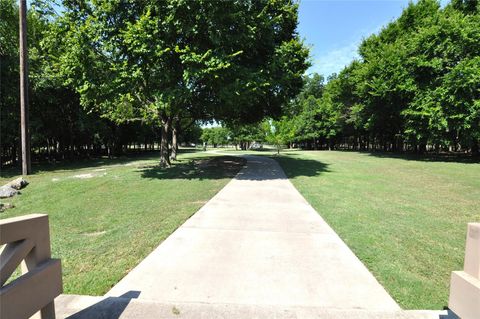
(25, 136)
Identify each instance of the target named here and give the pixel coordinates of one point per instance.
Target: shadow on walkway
(450, 315)
(213, 167)
(108, 308)
(218, 167)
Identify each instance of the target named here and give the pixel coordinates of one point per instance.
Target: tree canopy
(415, 85)
(235, 61)
(103, 72)
(109, 75)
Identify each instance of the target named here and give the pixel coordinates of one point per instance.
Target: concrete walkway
(256, 243)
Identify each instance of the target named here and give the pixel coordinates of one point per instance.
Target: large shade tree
(174, 62)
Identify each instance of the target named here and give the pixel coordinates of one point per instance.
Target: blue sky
(335, 28)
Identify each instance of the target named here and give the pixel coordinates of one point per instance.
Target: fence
(26, 240)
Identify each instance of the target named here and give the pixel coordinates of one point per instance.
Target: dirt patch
(88, 175)
(83, 176)
(95, 234)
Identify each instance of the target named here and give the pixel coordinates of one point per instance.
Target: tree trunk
(24, 106)
(173, 156)
(164, 159)
(422, 148)
(475, 149)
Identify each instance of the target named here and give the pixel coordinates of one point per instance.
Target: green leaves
(231, 61)
(417, 81)
(216, 136)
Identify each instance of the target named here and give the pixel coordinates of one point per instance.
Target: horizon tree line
(104, 72)
(414, 88)
(107, 77)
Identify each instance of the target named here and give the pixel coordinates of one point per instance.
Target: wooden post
(25, 136)
(464, 298)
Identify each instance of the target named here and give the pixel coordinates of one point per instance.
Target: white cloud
(335, 60)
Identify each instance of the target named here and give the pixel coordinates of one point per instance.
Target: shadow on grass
(201, 167)
(295, 167)
(217, 167)
(448, 158)
(212, 167)
(87, 163)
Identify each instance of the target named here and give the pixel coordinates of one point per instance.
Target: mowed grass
(406, 219)
(103, 226)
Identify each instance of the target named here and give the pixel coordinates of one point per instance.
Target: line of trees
(415, 87)
(239, 136)
(60, 127)
(172, 63)
(107, 74)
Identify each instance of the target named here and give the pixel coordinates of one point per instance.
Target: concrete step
(126, 307)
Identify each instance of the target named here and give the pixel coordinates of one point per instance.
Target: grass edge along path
(405, 219)
(105, 218)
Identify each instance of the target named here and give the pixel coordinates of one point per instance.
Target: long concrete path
(256, 243)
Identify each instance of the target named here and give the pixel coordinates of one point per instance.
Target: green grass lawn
(107, 215)
(406, 219)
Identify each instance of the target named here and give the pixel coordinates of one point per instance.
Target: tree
(216, 136)
(278, 132)
(244, 134)
(60, 128)
(9, 79)
(415, 86)
(161, 62)
(442, 111)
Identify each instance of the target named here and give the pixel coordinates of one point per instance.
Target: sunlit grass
(107, 215)
(406, 219)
